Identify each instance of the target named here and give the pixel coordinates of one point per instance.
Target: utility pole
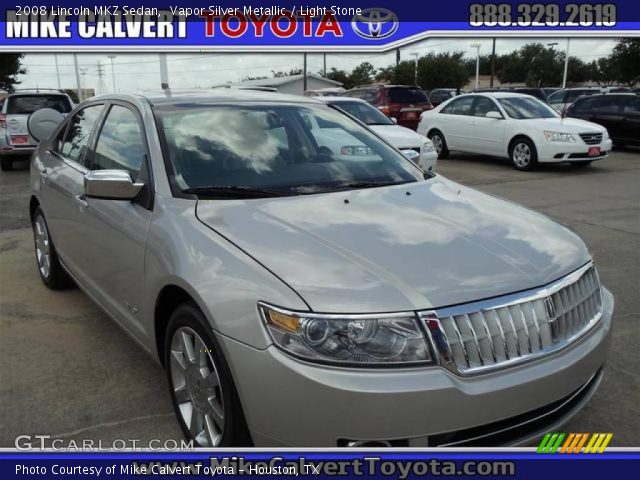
(304, 73)
(493, 62)
(55, 56)
(77, 70)
(101, 85)
(164, 72)
(477, 47)
(83, 83)
(324, 64)
(566, 64)
(397, 57)
(113, 75)
(415, 67)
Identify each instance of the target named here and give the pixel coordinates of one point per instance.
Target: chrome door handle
(80, 200)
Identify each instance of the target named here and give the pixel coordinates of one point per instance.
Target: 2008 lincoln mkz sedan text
(299, 295)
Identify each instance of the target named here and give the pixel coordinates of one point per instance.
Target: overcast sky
(192, 70)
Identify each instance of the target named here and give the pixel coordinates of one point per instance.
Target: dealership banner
(379, 25)
(401, 465)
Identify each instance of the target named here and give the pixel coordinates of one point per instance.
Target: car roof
(503, 94)
(338, 98)
(174, 97)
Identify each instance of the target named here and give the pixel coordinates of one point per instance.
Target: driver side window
(75, 146)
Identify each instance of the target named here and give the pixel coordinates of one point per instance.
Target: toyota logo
(375, 23)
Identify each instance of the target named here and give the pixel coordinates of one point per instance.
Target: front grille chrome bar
(483, 336)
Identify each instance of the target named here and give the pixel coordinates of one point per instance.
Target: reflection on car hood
(566, 125)
(399, 137)
(421, 245)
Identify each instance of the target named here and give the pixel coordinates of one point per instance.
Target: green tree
(73, 95)
(442, 70)
(339, 76)
(603, 71)
(10, 68)
(363, 74)
(401, 74)
(290, 73)
(626, 60)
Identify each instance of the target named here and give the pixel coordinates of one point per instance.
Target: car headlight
(428, 146)
(360, 340)
(558, 137)
(411, 154)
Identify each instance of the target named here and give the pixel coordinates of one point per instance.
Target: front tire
(440, 143)
(202, 390)
(523, 154)
(6, 164)
(49, 267)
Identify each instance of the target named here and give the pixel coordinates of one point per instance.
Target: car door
(488, 134)
(61, 169)
(609, 115)
(112, 233)
(455, 121)
(631, 119)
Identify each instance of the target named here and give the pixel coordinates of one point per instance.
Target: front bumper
(292, 403)
(428, 161)
(549, 152)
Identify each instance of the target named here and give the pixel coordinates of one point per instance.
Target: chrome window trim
(445, 358)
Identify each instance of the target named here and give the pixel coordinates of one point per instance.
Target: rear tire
(580, 164)
(440, 143)
(523, 154)
(200, 383)
(49, 267)
(6, 164)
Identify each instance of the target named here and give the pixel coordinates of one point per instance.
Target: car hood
(399, 137)
(423, 245)
(566, 125)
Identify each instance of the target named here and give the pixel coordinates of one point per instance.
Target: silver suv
(15, 109)
(301, 296)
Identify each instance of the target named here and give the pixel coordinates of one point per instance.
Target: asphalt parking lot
(68, 371)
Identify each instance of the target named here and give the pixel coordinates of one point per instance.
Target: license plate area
(594, 151)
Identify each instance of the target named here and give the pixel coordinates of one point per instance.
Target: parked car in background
(405, 103)
(439, 95)
(616, 89)
(324, 92)
(415, 147)
(534, 92)
(561, 99)
(296, 299)
(619, 113)
(516, 126)
(549, 90)
(15, 141)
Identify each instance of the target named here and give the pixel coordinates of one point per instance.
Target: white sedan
(519, 127)
(415, 147)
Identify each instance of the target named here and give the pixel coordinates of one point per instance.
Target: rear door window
(557, 97)
(462, 106)
(77, 139)
(407, 95)
(610, 105)
(632, 105)
(483, 106)
(27, 104)
(584, 106)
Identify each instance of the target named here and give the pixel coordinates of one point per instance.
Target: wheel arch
(33, 204)
(519, 136)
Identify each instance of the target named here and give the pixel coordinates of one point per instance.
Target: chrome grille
(591, 138)
(483, 336)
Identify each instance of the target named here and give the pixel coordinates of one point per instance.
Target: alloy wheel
(437, 142)
(521, 155)
(196, 386)
(43, 248)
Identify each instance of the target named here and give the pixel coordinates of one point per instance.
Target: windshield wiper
(366, 184)
(236, 191)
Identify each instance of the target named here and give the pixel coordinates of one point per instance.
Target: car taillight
(385, 109)
(3, 120)
(19, 139)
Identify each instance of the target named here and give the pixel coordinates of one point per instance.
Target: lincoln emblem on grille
(552, 318)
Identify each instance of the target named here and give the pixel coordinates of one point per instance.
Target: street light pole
(566, 64)
(113, 75)
(55, 56)
(415, 67)
(77, 70)
(477, 47)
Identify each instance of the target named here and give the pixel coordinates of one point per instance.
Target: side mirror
(42, 123)
(111, 185)
(495, 115)
(394, 120)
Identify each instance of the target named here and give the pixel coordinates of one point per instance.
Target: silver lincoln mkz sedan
(312, 295)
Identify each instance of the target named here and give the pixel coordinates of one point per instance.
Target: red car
(404, 103)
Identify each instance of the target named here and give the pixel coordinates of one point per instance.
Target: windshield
(522, 108)
(27, 104)
(407, 95)
(289, 149)
(364, 112)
